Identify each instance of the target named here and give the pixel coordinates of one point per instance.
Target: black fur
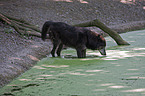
(76, 37)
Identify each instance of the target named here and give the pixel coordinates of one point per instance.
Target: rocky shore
(19, 53)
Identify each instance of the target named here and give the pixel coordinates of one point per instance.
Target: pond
(120, 73)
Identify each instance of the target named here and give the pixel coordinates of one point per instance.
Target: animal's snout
(102, 51)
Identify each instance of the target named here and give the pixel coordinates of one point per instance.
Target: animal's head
(101, 44)
(96, 42)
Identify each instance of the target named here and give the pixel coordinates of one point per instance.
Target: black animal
(76, 37)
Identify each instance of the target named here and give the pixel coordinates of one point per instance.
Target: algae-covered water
(120, 73)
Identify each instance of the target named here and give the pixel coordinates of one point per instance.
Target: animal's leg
(81, 53)
(84, 53)
(55, 44)
(81, 45)
(59, 49)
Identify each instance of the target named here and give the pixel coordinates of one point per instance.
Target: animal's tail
(45, 29)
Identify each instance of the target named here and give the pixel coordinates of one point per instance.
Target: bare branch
(112, 33)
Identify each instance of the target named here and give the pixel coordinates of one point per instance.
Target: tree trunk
(106, 29)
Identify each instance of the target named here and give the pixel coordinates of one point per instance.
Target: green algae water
(120, 73)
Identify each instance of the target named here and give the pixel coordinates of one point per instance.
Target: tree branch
(21, 26)
(112, 33)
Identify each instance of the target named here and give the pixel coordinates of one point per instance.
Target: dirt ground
(18, 54)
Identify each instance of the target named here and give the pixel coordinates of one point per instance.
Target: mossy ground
(120, 73)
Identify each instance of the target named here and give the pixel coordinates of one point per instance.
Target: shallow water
(120, 73)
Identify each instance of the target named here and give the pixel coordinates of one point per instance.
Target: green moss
(120, 73)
